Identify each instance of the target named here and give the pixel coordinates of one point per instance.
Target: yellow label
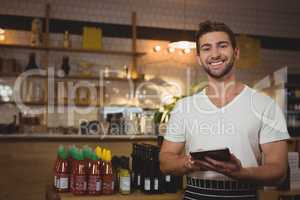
(92, 38)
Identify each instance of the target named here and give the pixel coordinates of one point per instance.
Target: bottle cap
(94, 157)
(104, 154)
(108, 156)
(98, 152)
(72, 151)
(79, 155)
(86, 151)
(62, 153)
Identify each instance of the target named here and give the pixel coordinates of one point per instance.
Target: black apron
(219, 190)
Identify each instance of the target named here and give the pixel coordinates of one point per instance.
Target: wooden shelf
(25, 103)
(74, 50)
(75, 77)
(293, 112)
(44, 104)
(292, 85)
(59, 136)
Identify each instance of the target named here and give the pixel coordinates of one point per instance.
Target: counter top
(52, 195)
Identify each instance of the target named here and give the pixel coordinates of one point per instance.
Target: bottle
(67, 41)
(124, 176)
(87, 154)
(142, 166)
(80, 176)
(108, 176)
(65, 65)
(72, 152)
(136, 166)
(94, 176)
(36, 32)
(147, 171)
(125, 71)
(31, 63)
(98, 152)
(61, 171)
(158, 187)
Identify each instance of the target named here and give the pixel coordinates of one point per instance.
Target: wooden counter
(263, 195)
(52, 195)
(27, 162)
(277, 194)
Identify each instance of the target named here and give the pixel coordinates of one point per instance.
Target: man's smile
(216, 64)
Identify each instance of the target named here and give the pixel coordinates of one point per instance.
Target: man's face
(217, 55)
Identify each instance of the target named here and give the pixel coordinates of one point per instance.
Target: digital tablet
(216, 154)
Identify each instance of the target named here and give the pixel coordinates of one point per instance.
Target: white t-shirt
(249, 120)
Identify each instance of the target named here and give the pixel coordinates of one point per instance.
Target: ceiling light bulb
(2, 34)
(171, 49)
(156, 48)
(186, 51)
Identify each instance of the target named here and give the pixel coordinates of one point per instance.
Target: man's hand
(192, 165)
(230, 168)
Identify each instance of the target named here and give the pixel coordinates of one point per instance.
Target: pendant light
(184, 43)
(2, 34)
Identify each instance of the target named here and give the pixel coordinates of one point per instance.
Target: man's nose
(215, 53)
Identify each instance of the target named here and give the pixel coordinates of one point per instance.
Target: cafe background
(267, 31)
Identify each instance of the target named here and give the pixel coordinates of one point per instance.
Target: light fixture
(186, 50)
(2, 34)
(171, 49)
(184, 43)
(156, 48)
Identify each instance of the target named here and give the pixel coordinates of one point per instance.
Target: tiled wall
(264, 17)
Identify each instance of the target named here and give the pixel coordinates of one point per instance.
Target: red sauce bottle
(80, 175)
(72, 152)
(61, 171)
(108, 176)
(94, 176)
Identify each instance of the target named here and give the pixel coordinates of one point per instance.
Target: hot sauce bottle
(80, 175)
(61, 171)
(94, 176)
(108, 176)
(71, 159)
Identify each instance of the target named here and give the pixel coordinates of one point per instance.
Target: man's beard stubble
(227, 69)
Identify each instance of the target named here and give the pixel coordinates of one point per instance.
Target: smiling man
(252, 127)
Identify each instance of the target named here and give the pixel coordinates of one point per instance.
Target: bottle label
(80, 183)
(168, 178)
(138, 180)
(108, 184)
(156, 184)
(64, 183)
(147, 184)
(72, 182)
(94, 184)
(98, 186)
(125, 183)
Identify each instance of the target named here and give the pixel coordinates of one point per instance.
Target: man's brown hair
(208, 26)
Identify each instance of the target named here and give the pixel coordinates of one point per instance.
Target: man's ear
(237, 53)
(199, 60)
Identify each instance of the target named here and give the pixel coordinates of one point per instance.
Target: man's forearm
(173, 163)
(268, 174)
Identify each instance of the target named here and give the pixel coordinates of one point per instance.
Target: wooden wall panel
(26, 166)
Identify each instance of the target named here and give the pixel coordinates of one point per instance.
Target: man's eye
(205, 49)
(223, 45)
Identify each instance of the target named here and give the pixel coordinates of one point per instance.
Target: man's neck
(223, 89)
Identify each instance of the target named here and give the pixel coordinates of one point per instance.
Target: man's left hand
(230, 168)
